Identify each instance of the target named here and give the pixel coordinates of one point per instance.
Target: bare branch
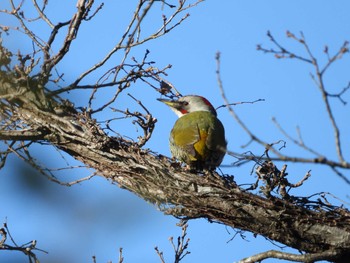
(227, 103)
(127, 41)
(298, 142)
(286, 158)
(27, 249)
(282, 52)
(317, 76)
(338, 55)
(238, 103)
(121, 258)
(339, 95)
(326, 255)
(42, 13)
(160, 254)
(74, 24)
(180, 248)
(15, 12)
(145, 121)
(28, 108)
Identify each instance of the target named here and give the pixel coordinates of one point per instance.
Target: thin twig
(239, 103)
(42, 14)
(230, 109)
(27, 248)
(299, 142)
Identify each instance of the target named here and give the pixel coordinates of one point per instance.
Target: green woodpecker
(198, 136)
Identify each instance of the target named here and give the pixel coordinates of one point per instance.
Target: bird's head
(188, 104)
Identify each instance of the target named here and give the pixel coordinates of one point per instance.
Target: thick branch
(23, 135)
(187, 195)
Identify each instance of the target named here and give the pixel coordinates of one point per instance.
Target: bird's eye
(184, 103)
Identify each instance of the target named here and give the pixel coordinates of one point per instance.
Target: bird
(198, 136)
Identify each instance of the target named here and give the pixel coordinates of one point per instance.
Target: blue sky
(96, 217)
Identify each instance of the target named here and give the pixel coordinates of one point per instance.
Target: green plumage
(198, 139)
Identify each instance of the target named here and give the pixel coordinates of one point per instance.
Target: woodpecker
(198, 136)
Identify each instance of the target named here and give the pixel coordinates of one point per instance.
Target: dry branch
(31, 112)
(289, 256)
(186, 195)
(317, 75)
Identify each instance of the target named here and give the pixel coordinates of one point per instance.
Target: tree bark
(159, 180)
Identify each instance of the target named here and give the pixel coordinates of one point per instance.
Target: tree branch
(186, 195)
(22, 135)
(325, 255)
(317, 76)
(31, 112)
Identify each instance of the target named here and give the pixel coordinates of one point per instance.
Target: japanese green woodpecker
(198, 136)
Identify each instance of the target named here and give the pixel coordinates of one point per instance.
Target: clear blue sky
(96, 217)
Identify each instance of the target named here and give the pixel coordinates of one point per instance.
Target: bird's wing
(185, 137)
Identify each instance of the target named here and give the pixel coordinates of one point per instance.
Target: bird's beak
(174, 105)
(170, 103)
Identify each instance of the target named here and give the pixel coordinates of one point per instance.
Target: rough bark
(160, 181)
